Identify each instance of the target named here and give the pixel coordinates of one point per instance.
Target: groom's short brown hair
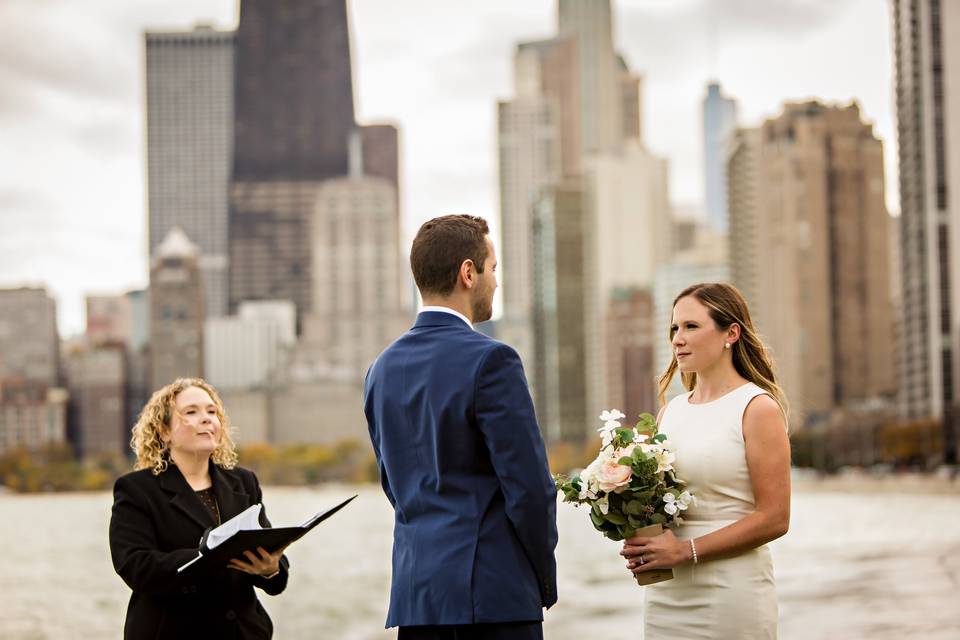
(441, 246)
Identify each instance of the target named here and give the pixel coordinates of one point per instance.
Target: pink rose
(612, 476)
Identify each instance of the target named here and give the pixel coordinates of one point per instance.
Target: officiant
(186, 482)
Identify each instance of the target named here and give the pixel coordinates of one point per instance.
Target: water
(854, 565)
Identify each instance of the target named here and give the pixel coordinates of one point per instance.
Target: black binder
(249, 539)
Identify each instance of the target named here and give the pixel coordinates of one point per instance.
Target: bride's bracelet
(693, 551)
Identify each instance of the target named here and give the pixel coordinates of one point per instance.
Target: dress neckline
(703, 404)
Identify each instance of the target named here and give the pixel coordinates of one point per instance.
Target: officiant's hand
(660, 552)
(262, 563)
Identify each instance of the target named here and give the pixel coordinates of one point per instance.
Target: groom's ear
(467, 274)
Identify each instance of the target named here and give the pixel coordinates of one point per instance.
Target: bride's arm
(768, 459)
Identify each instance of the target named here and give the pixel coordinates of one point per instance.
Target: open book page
(311, 519)
(247, 519)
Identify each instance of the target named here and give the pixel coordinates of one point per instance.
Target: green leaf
(658, 518)
(660, 437)
(597, 520)
(615, 518)
(626, 461)
(647, 424)
(634, 507)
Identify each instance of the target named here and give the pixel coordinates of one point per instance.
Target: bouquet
(632, 486)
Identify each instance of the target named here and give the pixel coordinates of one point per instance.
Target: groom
(460, 455)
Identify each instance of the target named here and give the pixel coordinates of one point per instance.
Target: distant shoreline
(805, 480)
(858, 481)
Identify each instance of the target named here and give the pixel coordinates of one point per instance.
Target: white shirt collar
(450, 311)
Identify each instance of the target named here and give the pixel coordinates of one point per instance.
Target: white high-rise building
(535, 149)
(359, 301)
(627, 236)
(927, 59)
(189, 99)
(244, 351)
(529, 162)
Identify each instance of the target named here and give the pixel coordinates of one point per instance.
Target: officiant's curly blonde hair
(156, 419)
(751, 358)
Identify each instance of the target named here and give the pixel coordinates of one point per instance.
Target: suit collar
(440, 319)
(231, 498)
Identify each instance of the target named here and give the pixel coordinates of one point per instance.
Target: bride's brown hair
(751, 358)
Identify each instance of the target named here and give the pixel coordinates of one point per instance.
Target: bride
(729, 432)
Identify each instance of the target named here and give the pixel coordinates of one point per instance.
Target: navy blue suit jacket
(464, 466)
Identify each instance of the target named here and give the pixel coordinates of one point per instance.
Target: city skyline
(72, 197)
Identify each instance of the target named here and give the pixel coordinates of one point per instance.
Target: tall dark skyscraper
(294, 119)
(294, 90)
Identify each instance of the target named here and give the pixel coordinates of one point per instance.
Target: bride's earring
(726, 345)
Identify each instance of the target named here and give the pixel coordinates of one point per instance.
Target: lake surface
(856, 564)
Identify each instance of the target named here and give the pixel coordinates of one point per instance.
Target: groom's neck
(457, 303)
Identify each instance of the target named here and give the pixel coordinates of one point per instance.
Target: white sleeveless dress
(729, 599)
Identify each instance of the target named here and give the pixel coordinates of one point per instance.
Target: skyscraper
(590, 23)
(358, 302)
(32, 405)
(538, 146)
(927, 58)
(630, 337)
(558, 314)
(176, 311)
(627, 235)
(189, 95)
(381, 152)
(244, 351)
(109, 319)
(29, 342)
(32, 416)
(719, 122)
(576, 120)
(294, 90)
(632, 102)
(97, 379)
(823, 293)
(294, 118)
(743, 203)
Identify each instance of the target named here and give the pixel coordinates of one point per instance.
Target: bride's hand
(660, 552)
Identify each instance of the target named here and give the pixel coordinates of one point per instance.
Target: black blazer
(155, 527)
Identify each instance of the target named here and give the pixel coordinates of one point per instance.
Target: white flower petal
(604, 505)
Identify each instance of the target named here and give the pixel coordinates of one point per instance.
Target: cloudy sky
(72, 195)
